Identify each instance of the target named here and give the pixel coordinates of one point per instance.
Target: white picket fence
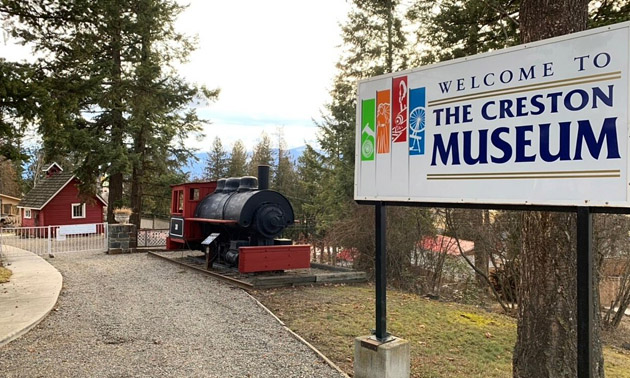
(50, 240)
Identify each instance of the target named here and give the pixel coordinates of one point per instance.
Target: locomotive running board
(233, 281)
(215, 221)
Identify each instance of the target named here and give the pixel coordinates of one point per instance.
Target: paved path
(138, 316)
(30, 294)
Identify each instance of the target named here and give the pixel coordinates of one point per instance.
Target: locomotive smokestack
(263, 177)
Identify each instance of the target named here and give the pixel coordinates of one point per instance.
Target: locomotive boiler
(235, 222)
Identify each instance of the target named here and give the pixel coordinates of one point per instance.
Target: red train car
(184, 200)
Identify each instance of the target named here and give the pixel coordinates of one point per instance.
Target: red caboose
(184, 200)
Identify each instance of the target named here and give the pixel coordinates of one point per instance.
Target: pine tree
(18, 106)
(451, 29)
(262, 155)
(373, 44)
(454, 29)
(309, 207)
(159, 118)
(216, 162)
(237, 165)
(284, 178)
(602, 13)
(109, 79)
(83, 64)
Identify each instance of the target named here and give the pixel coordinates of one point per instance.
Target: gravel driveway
(137, 316)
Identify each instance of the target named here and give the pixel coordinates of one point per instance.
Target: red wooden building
(55, 201)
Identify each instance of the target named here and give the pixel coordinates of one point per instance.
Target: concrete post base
(373, 359)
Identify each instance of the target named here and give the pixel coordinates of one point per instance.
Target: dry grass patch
(447, 339)
(5, 274)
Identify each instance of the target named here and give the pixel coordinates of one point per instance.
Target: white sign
(77, 229)
(210, 238)
(544, 123)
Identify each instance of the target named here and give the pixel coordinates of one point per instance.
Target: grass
(616, 363)
(447, 339)
(5, 274)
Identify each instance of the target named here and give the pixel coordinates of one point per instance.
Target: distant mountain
(296, 153)
(195, 168)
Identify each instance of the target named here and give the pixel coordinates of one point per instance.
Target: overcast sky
(273, 61)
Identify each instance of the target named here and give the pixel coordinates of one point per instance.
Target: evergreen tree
(237, 165)
(607, 12)
(160, 117)
(216, 162)
(453, 29)
(109, 79)
(309, 207)
(373, 44)
(156, 201)
(84, 51)
(284, 178)
(18, 106)
(262, 155)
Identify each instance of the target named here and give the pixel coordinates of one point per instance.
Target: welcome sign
(544, 123)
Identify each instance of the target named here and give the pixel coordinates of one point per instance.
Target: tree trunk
(136, 196)
(541, 19)
(546, 343)
(546, 332)
(116, 167)
(115, 195)
(142, 123)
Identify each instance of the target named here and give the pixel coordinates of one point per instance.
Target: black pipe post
(584, 293)
(381, 273)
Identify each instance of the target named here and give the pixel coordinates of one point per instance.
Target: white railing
(152, 237)
(56, 239)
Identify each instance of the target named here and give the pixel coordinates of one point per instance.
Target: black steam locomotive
(236, 225)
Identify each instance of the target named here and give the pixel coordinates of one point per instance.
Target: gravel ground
(137, 316)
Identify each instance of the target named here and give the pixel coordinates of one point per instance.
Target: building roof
(54, 164)
(46, 190)
(445, 244)
(9, 197)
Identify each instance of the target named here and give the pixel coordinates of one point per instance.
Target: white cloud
(273, 61)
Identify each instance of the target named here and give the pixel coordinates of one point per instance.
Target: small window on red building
(194, 194)
(78, 210)
(27, 213)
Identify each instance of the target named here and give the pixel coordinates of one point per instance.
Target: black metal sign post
(584, 274)
(584, 293)
(381, 273)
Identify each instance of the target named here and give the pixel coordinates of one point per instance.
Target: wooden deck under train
(317, 274)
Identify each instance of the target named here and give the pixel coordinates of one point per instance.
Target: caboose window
(194, 194)
(178, 201)
(78, 210)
